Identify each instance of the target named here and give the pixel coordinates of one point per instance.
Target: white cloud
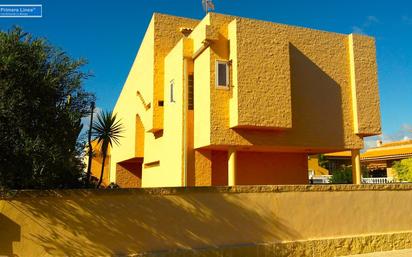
(86, 120)
(407, 19)
(404, 133)
(370, 20)
(357, 30)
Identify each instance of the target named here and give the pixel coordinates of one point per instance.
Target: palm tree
(106, 130)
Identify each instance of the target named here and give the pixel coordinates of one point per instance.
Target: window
(222, 74)
(190, 85)
(172, 85)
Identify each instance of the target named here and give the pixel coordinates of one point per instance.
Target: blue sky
(108, 34)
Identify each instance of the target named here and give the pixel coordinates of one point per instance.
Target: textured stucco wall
(129, 175)
(261, 92)
(170, 155)
(306, 70)
(166, 35)
(364, 83)
(251, 221)
(258, 168)
(292, 90)
(272, 168)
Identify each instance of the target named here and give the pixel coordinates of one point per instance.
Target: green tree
(106, 130)
(42, 101)
(343, 175)
(403, 169)
(322, 161)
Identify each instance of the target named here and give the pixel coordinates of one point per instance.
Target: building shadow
(9, 233)
(317, 117)
(121, 222)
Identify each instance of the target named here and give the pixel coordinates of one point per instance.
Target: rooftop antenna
(208, 5)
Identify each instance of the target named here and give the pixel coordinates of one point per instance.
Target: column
(356, 167)
(232, 167)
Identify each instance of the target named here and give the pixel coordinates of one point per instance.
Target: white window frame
(217, 75)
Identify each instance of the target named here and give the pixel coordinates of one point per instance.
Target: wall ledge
(13, 194)
(324, 247)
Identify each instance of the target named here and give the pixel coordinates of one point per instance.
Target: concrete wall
(222, 221)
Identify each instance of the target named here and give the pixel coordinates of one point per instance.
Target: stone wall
(213, 221)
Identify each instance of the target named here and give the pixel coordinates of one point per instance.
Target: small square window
(222, 74)
(172, 84)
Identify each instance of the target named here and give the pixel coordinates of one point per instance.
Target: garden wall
(223, 221)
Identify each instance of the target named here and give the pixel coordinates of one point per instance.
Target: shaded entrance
(129, 173)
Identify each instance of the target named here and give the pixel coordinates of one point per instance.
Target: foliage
(113, 186)
(106, 130)
(42, 102)
(403, 169)
(322, 161)
(343, 175)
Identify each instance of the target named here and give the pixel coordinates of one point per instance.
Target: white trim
(217, 76)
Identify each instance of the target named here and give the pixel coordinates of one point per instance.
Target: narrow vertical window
(190, 82)
(172, 85)
(222, 74)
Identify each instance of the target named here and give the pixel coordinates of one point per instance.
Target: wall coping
(13, 194)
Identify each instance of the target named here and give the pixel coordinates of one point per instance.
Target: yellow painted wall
(129, 104)
(97, 161)
(292, 91)
(171, 156)
(146, 77)
(364, 84)
(313, 164)
(139, 137)
(318, 77)
(122, 222)
(202, 108)
(256, 168)
(265, 67)
(261, 168)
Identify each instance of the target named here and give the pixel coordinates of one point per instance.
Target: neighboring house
(232, 101)
(334, 161)
(380, 159)
(97, 164)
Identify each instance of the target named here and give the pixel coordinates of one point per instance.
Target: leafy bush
(42, 102)
(344, 175)
(403, 169)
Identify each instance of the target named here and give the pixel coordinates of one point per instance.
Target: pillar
(356, 167)
(203, 168)
(232, 167)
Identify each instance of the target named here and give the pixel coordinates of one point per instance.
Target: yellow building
(97, 162)
(333, 160)
(232, 101)
(380, 159)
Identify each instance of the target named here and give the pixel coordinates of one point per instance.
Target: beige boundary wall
(207, 221)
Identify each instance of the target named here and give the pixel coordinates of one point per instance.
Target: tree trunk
(101, 173)
(89, 164)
